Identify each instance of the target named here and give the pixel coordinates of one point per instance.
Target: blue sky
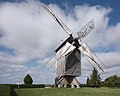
(26, 44)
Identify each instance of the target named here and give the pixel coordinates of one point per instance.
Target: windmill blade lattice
(85, 49)
(59, 21)
(85, 30)
(51, 64)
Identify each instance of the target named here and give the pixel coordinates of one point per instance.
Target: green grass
(68, 92)
(5, 90)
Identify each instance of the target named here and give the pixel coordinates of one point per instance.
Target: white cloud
(113, 35)
(33, 34)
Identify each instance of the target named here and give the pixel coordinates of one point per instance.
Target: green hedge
(93, 86)
(28, 86)
(49, 85)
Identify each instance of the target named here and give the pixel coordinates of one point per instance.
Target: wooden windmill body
(68, 64)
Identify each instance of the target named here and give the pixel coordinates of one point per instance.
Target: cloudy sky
(29, 36)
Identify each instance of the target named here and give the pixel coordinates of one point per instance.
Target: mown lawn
(68, 92)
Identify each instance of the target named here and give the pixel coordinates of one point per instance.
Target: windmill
(68, 54)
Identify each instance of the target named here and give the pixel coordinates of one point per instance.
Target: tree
(112, 81)
(95, 79)
(88, 81)
(28, 79)
(56, 80)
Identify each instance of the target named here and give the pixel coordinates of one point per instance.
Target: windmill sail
(84, 31)
(59, 21)
(51, 64)
(84, 48)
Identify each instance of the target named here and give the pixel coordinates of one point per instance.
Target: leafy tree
(95, 79)
(112, 81)
(56, 80)
(88, 81)
(28, 79)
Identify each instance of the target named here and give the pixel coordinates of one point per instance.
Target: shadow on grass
(13, 93)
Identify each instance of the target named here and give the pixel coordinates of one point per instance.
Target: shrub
(28, 79)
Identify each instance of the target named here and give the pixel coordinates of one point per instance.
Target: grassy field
(68, 92)
(5, 90)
